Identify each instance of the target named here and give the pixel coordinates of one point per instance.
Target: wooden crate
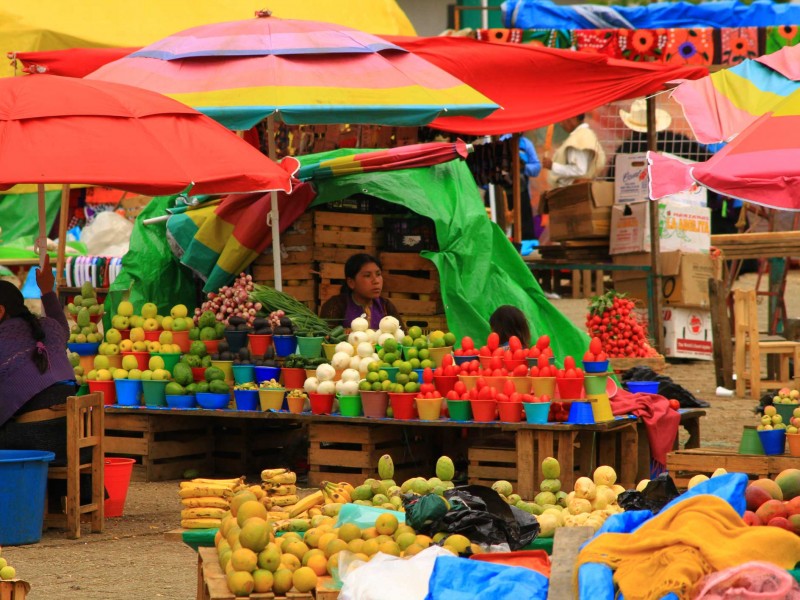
(350, 452)
(299, 281)
(491, 463)
(685, 464)
(14, 589)
(427, 323)
(337, 236)
(211, 583)
(297, 244)
(403, 272)
(324, 591)
(163, 446)
(249, 446)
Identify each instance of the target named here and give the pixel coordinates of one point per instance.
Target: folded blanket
(660, 420)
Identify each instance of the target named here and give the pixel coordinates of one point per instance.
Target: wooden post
(655, 247)
(721, 330)
(63, 217)
(515, 188)
(567, 543)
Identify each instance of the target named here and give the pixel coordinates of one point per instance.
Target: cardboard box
(684, 279)
(681, 227)
(687, 333)
(581, 210)
(632, 184)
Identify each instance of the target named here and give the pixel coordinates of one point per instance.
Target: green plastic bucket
(170, 359)
(595, 384)
(309, 347)
(350, 406)
(243, 374)
(154, 394)
(785, 411)
(750, 442)
(459, 410)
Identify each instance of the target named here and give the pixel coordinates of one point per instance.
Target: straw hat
(636, 119)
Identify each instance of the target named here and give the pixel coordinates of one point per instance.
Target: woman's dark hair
(353, 266)
(509, 320)
(12, 300)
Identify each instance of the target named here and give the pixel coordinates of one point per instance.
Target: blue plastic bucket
(22, 495)
(580, 413)
(246, 399)
(773, 441)
(266, 373)
(536, 412)
(129, 392)
(284, 344)
(645, 387)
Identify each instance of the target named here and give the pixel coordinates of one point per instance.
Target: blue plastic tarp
(595, 580)
(460, 578)
(543, 14)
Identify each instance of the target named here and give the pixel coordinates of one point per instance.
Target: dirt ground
(132, 560)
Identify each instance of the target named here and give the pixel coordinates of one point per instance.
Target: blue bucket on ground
(580, 413)
(22, 495)
(773, 441)
(246, 399)
(284, 344)
(129, 392)
(243, 373)
(644, 387)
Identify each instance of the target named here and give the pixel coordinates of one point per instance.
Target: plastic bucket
(243, 374)
(570, 389)
(329, 350)
(794, 443)
(199, 373)
(484, 410)
(374, 404)
(296, 404)
(512, 364)
(24, 477)
(601, 407)
(226, 366)
(184, 401)
(595, 384)
(259, 343)
(236, 339)
(470, 381)
(460, 410)
(213, 401)
(437, 354)
(85, 349)
(246, 399)
(542, 386)
(182, 339)
(309, 347)
(773, 441)
(114, 361)
(117, 475)
(402, 405)
(129, 392)
(460, 360)
(509, 412)
(429, 409)
(170, 360)
(522, 385)
(292, 378)
(262, 374)
(284, 344)
(152, 336)
(212, 346)
(534, 362)
(497, 383)
(643, 387)
(107, 388)
(321, 404)
(444, 383)
(125, 334)
(350, 406)
(580, 413)
(785, 411)
(595, 366)
(154, 393)
(536, 412)
(750, 442)
(392, 372)
(271, 399)
(142, 358)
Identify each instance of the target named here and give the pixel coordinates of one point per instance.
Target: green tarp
(19, 214)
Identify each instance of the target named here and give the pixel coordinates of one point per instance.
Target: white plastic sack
(108, 235)
(387, 577)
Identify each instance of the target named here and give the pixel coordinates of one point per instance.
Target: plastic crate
(410, 234)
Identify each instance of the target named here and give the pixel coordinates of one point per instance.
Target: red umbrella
(64, 130)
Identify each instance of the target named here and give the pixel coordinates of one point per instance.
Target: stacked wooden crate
(297, 262)
(412, 284)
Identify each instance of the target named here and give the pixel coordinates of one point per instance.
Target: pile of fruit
(130, 369)
(775, 503)
(85, 303)
(231, 301)
(280, 488)
(184, 383)
(204, 502)
(772, 420)
(207, 328)
(613, 320)
(7, 572)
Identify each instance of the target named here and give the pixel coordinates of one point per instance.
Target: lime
(397, 363)
(414, 363)
(411, 352)
(437, 342)
(390, 357)
(365, 385)
(426, 363)
(424, 354)
(377, 387)
(390, 344)
(374, 366)
(413, 376)
(383, 375)
(386, 385)
(420, 343)
(405, 367)
(414, 332)
(449, 339)
(411, 387)
(402, 378)
(407, 341)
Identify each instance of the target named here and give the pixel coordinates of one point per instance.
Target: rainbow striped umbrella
(725, 103)
(761, 164)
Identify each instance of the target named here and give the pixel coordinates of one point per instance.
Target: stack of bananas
(280, 489)
(205, 501)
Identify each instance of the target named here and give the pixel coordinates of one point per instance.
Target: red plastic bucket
(107, 387)
(321, 404)
(484, 410)
(510, 412)
(152, 336)
(444, 383)
(212, 346)
(182, 339)
(402, 405)
(199, 373)
(293, 378)
(259, 344)
(143, 358)
(570, 388)
(117, 475)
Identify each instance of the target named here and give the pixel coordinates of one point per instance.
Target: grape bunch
(232, 301)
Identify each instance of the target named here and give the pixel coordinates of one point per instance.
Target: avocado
(218, 387)
(214, 374)
(223, 346)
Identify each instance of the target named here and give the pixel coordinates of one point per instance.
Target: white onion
(365, 349)
(383, 337)
(399, 335)
(359, 324)
(372, 336)
(356, 337)
(363, 368)
(326, 372)
(326, 387)
(354, 362)
(311, 384)
(389, 324)
(345, 347)
(351, 375)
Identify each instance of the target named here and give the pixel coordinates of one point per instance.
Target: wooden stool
(84, 430)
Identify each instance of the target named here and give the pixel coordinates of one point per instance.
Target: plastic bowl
(595, 366)
(444, 383)
(243, 373)
(212, 401)
(509, 412)
(460, 410)
(570, 388)
(246, 399)
(259, 343)
(643, 387)
(284, 344)
(187, 401)
(199, 374)
(429, 409)
(350, 406)
(267, 373)
(86, 349)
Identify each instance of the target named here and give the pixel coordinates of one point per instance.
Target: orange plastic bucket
(117, 474)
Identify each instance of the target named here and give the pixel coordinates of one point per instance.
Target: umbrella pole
(42, 241)
(516, 190)
(273, 213)
(62, 235)
(655, 242)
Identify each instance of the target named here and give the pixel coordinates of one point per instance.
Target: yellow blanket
(674, 550)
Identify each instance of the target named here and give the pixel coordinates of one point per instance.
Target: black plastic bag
(478, 513)
(666, 387)
(658, 493)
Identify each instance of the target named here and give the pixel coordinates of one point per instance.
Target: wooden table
(614, 442)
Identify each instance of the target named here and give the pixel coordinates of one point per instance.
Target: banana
(209, 502)
(205, 523)
(284, 500)
(195, 484)
(205, 491)
(347, 487)
(257, 491)
(283, 490)
(234, 481)
(314, 512)
(303, 505)
(337, 493)
(203, 512)
(267, 502)
(331, 510)
(282, 479)
(267, 474)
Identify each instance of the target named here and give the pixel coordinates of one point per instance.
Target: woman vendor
(360, 295)
(35, 374)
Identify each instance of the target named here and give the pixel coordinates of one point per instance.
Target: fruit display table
(683, 464)
(690, 421)
(614, 443)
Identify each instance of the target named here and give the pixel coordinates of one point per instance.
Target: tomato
(674, 404)
(514, 343)
(543, 342)
(467, 343)
(493, 342)
(595, 346)
(452, 395)
(569, 363)
(427, 375)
